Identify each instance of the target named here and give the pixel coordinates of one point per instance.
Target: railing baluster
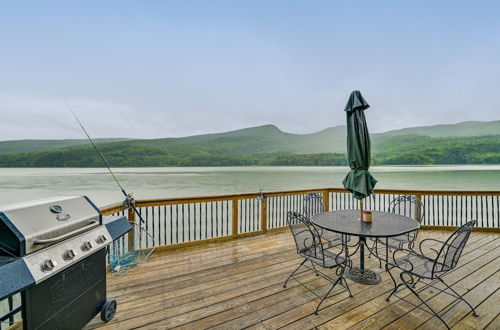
(217, 218)
(165, 225)
(484, 212)
(461, 209)
(447, 210)
(468, 208)
(228, 218)
(249, 215)
(206, 219)
(158, 210)
(477, 210)
(282, 208)
(194, 218)
(176, 223)
(498, 212)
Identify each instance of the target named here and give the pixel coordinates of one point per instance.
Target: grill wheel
(108, 310)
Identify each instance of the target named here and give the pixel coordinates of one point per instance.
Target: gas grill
(53, 251)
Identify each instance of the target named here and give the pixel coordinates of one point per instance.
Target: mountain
(44, 145)
(258, 139)
(479, 142)
(466, 128)
(266, 138)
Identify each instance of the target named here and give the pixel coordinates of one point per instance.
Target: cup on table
(367, 216)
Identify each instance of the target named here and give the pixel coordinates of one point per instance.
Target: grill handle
(64, 236)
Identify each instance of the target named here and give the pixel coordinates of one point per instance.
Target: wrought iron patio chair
(411, 207)
(408, 206)
(313, 204)
(310, 247)
(420, 267)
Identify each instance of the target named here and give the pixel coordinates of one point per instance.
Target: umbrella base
(365, 277)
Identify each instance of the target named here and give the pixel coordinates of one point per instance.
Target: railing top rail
(199, 199)
(113, 208)
(437, 192)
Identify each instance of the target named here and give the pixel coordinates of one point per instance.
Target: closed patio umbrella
(359, 181)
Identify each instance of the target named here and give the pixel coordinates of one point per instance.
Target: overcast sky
(149, 69)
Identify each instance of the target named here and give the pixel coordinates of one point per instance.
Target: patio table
(384, 225)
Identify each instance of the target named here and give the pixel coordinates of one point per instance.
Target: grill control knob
(48, 265)
(101, 239)
(69, 255)
(86, 246)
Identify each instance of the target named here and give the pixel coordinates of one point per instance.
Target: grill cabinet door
(70, 299)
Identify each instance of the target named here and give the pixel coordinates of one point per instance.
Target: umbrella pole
(361, 210)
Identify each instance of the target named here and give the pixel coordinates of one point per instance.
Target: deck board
(238, 284)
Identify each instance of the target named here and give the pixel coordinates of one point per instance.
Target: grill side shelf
(14, 276)
(117, 226)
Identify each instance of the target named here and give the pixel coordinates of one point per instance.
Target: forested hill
(17, 146)
(267, 145)
(268, 138)
(425, 150)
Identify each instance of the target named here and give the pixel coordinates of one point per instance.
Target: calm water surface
(18, 184)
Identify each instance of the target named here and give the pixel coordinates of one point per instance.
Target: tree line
(400, 150)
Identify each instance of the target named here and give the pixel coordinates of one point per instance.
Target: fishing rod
(261, 197)
(129, 198)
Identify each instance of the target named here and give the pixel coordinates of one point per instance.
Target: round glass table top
(384, 224)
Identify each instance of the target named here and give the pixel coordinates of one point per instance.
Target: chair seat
(331, 259)
(418, 265)
(395, 241)
(331, 237)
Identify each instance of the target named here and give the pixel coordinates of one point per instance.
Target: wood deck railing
(181, 222)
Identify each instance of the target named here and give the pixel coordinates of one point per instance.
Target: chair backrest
(313, 204)
(452, 249)
(307, 238)
(407, 206)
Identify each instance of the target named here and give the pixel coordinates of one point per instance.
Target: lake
(19, 184)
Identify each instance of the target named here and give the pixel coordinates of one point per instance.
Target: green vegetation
(130, 155)
(17, 146)
(425, 150)
(264, 145)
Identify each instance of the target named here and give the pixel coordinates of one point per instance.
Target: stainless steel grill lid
(31, 226)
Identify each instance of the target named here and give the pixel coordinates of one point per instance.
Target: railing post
(326, 200)
(263, 214)
(131, 234)
(235, 217)
(418, 210)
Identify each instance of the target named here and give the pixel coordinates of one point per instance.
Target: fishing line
(129, 199)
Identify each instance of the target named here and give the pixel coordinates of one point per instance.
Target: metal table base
(365, 277)
(361, 274)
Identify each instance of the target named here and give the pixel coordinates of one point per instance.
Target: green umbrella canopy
(359, 180)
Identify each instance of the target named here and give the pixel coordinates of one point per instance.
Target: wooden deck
(238, 284)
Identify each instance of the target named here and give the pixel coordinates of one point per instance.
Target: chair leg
(326, 295)
(396, 286)
(375, 254)
(376, 247)
(346, 285)
(315, 270)
(409, 286)
(459, 296)
(372, 248)
(289, 277)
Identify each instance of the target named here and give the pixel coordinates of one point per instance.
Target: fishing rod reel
(129, 202)
(261, 198)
